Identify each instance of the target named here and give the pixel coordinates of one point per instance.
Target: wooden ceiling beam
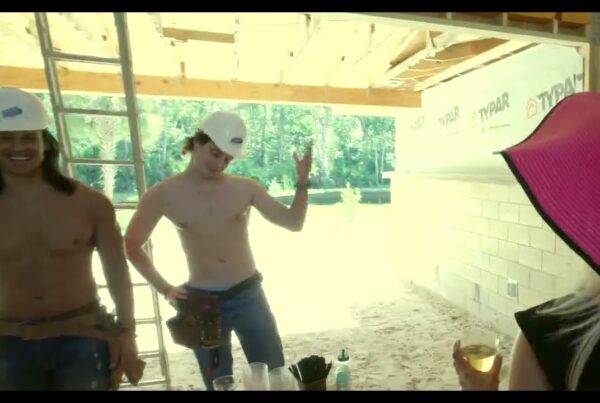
(23, 30)
(447, 23)
(94, 29)
(348, 52)
(473, 62)
(91, 34)
(576, 18)
(458, 52)
(468, 49)
(311, 31)
(168, 53)
(415, 73)
(194, 35)
(419, 51)
(91, 82)
(109, 33)
(377, 58)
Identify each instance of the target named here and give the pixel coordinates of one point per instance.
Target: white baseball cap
(21, 111)
(227, 130)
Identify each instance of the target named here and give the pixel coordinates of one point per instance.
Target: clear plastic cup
(255, 376)
(479, 348)
(225, 382)
(281, 379)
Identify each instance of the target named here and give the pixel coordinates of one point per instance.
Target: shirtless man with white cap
(210, 210)
(54, 335)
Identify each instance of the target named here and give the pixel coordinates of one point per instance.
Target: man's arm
(109, 244)
(145, 218)
(291, 218)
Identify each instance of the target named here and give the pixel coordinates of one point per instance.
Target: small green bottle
(342, 371)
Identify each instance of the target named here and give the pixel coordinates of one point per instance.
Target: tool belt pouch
(198, 322)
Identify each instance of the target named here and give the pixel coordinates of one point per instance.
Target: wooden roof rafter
(418, 51)
(289, 55)
(107, 83)
(309, 34)
(19, 26)
(498, 25)
(235, 68)
(377, 57)
(339, 59)
(354, 49)
(148, 26)
(493, 53)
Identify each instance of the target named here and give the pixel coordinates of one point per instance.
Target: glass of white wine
(479, 347)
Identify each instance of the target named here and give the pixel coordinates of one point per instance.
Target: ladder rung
(146, 321)
(100, 112)
(149, 354)
(100, 286)
(72, 57)
(125, 206)
(93, 161)
(123, 63)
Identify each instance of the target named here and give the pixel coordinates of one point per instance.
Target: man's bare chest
(48, 229)
(207, 211)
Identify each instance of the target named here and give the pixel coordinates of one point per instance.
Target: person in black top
(558, 166)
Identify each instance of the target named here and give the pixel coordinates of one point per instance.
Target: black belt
(231, 292)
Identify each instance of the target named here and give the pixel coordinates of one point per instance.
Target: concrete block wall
(479, 243)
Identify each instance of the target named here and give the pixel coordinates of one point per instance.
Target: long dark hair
(50, 171)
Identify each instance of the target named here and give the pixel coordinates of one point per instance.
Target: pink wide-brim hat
(558, 166)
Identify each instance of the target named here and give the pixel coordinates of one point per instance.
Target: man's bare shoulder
(243, 181)
(171, 181)
(248, 187)
(96, 201)
(164, 187)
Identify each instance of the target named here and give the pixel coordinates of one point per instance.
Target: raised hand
(304, 165)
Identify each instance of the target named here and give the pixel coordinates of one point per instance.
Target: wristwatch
(303, 185)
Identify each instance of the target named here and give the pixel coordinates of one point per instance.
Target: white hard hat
(227, 130)
(21, 111)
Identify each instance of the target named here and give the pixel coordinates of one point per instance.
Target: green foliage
(352, 150)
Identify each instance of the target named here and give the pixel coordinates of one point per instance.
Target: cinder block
(541, 282)
(499, 229)
(490, 209)
(489, 245)
(518, 233)
(530, 257)
(519, 273)
(499, 193)
(481, 225)
(509, 212)
(517, 195)
(554, 264)
(542, 239)
(481, 260)
(499, 266)
(529, 298)
(508, 250)
(528, 216)
(472, 206)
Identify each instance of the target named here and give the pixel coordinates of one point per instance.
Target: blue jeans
(59, 363)
(248, 314)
